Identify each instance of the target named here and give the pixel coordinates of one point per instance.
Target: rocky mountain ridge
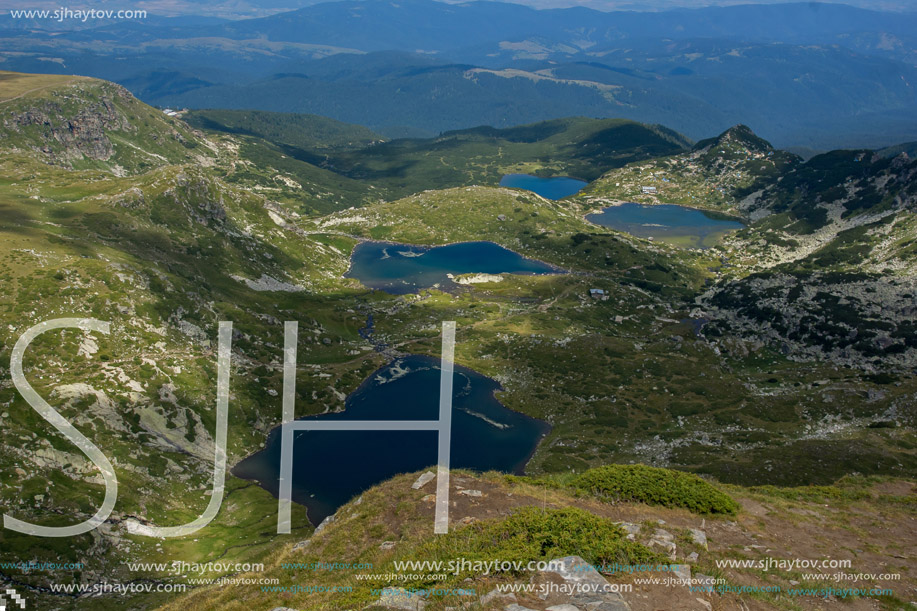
(81, 123)
(825, 268)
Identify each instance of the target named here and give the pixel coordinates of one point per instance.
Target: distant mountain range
(803, 75)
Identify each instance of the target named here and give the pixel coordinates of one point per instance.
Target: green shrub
(533, 534)
(655, 486)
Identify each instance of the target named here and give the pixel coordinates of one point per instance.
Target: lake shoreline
(553, 269)
(543, 428)
(613, 203)
(675, 224)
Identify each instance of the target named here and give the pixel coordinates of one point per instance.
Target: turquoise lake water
(549, 188)
(667, 222)
(402, 268)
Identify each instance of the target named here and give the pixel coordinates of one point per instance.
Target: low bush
(532, 534)
(655, 486)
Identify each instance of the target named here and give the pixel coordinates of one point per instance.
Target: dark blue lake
(402, 268)
(549, 188)
(331, 467)
(667, 222)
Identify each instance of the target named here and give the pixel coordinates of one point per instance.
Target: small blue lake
(549, 188)
(403, 268)
(678, 225)
(331, 467)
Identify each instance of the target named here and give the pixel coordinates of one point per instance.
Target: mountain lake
(331, 467)
(670, 223)
(556, 187)
(400, 269)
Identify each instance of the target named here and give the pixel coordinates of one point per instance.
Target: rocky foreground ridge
(393, 521)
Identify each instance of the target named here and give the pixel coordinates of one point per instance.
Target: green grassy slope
(181, 243)
(163, 254)
(310, 132)
(84, 123)
(825, 268)
(578, 147)
(632, 368)
(532, 519)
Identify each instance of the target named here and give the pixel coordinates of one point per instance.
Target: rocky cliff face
(95, 124)
(64, 132)
(83, 135)
(857, 320)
